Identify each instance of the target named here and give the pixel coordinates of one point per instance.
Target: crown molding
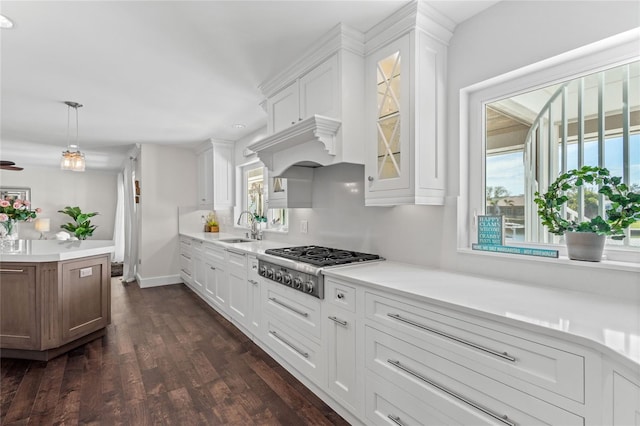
(417, 15)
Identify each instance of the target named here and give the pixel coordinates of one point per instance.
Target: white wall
(54, 189)
(168, 179)
(505, 37)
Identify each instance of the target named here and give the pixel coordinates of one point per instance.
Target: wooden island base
(49, 308)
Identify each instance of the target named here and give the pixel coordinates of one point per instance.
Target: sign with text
(491, 230)
(526, 251)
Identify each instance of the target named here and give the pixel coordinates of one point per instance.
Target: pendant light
(72, 160)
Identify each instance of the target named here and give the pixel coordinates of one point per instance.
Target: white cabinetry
(340, 326)
(255, 302)
(314, 106)
(238, 287)
(404, 130)
(470, 370)
(293, 328)
(315, 92)
(215, 175)
(199, 272)
(626, 401)
(186, 261)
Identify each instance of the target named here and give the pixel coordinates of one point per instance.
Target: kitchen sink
(234, 240)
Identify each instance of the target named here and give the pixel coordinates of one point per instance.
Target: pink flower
(38, 210)
(3, 217)
(29, 219)
(4, 203)
(27, 203)
(17, 204)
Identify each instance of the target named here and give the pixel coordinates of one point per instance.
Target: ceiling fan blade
(14, 168)
(7, 163)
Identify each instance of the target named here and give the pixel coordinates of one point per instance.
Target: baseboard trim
(158, 281)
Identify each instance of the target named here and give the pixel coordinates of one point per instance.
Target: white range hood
(311, 142)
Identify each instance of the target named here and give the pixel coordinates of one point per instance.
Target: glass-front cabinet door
(386, 164)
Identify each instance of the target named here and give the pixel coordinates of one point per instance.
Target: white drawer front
(186, 264)
(519, 361)
(626, 402)
(340, 294)
(299, 310)
(387, 404)
(432, 378)
(214, 253)
(303, 354)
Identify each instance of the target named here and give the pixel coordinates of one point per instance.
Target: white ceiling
(159, 72)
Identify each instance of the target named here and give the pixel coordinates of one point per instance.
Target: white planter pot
(585, 246)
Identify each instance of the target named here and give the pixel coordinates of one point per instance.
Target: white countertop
(606, 324)
(252, 247)
(53, 250)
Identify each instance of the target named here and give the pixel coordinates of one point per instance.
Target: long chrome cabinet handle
(241, 253)
(504, 419)
(339, 321)
(186, 256)
(291, 345)
(502, 355)
(12, 270)
(297, 311)
(395, 419)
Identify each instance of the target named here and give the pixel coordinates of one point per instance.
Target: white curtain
(130, 224)
(118, 227)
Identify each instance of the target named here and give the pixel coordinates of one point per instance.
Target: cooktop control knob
(308, 287)
(270, 273)
(263, 270)
(287, 279)
(297, 283)
(278, 276)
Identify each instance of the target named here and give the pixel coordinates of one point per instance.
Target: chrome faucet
(256, 234)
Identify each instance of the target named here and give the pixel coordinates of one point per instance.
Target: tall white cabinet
(405, 110)
(215, 175)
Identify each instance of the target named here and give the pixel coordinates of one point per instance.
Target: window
(254, 190)
(527, 127)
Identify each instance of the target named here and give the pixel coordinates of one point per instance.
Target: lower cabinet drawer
(387, 404)
(519, 359)
(458, 390)
(303, 354)
(185, 265)
(293, 307)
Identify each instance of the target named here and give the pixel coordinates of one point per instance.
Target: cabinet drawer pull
(504, 419)
(212, 268)
(297, 311)
(502, 355)
(340, 296)
(339, 321)
(186, 256)
(291, 345)
(12, 270)
(395, 419)
(254, 282)
(241, 253)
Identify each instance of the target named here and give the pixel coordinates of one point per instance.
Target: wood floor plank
(167, 359)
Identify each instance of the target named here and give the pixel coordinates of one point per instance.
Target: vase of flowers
(12, 212)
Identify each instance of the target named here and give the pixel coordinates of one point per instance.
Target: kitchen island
(54, 296)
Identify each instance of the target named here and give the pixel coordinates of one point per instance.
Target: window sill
(562, 260)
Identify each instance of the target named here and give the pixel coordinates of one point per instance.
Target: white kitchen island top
(597, 321)
(53, 250)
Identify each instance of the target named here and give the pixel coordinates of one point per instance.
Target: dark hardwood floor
(167, 358)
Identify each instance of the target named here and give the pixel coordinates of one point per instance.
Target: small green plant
(82, 227)
(623, 208)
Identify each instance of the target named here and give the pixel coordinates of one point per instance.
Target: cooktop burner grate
(322, 256)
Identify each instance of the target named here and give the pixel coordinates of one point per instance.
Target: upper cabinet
(405, 108)
(215, 175)
(315, 92)
(314, 106)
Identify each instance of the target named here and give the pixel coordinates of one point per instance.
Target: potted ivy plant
(585, 240)
(81, 226)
